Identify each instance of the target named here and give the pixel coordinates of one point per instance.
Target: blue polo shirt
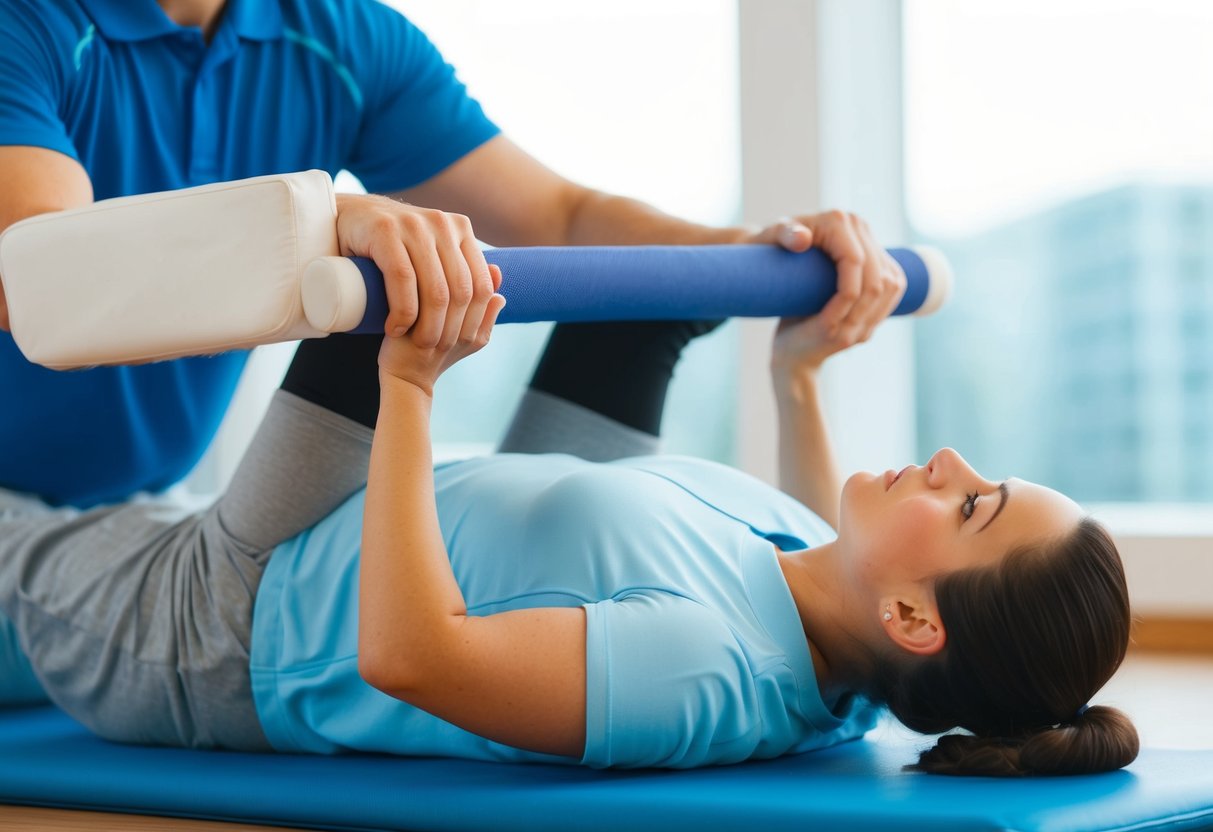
(146, 105)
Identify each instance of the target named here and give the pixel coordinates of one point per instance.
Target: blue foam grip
(602, 283)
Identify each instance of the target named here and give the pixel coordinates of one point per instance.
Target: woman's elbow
(408, 666)
(385, 672)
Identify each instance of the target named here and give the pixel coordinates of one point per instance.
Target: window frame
(831, 153)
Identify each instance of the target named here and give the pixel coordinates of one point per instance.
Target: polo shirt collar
(256, 19)
(132, 20)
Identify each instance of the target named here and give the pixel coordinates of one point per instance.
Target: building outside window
(1061, 154)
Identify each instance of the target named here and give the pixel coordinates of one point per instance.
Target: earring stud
(888, 614)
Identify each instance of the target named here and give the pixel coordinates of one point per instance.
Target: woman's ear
(913, 625)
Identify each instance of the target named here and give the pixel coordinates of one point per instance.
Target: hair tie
(1081, 711)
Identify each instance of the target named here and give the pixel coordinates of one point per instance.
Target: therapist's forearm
(598, 218)
(513, 199)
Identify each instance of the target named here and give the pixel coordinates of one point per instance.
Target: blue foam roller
(598, 283)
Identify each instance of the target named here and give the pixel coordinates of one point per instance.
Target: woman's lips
(891, 478)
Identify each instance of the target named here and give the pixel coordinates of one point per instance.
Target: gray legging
(137, 618)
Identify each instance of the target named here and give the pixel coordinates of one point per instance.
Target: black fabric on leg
(621, 370)
(340, 373)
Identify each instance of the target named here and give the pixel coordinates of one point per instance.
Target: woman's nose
(943, 465)
(948, 466)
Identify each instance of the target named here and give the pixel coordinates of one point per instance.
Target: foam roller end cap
(334, 294)
(939, 273)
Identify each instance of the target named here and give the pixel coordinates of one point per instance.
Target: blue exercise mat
(46, 759)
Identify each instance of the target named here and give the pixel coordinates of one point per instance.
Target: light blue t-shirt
(147, 105)
(695, 654)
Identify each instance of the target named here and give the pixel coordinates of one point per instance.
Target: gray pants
(137, 618)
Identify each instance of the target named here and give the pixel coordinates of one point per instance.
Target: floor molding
(1173, 634)
(31, 819)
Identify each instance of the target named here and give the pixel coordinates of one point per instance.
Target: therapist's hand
(870, 285)
(870, 281)
(431, 264)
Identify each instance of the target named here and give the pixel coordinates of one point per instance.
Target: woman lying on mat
(641, 611)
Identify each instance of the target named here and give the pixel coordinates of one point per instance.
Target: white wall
(821, 128)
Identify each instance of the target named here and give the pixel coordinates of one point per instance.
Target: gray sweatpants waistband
(544, 423)
(138, 618)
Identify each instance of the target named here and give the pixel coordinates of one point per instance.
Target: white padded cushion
(157, 276)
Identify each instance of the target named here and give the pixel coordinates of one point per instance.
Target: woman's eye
(970, 503)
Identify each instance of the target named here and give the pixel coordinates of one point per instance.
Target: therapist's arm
(513, 199)
(34, 180)
(419, 250)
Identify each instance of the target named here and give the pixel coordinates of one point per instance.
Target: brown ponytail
(1102, 739)
(1030, 640)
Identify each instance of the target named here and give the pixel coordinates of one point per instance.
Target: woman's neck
(831, 616)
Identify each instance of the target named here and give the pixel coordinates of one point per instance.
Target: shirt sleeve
(35, 48)
(667, 685)
(417, 116)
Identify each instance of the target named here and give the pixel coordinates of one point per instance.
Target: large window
(637, 97)
(1062, 155)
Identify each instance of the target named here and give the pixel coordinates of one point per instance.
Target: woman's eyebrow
(1002, 501)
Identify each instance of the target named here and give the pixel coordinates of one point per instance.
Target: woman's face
(913, 525)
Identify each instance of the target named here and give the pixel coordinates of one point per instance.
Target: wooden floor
(23, 819)
(1168, 698)
(1166, 695)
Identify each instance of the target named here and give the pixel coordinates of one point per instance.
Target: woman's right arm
(808, 470)
(515, 677)
(34, 180)
(869, 288)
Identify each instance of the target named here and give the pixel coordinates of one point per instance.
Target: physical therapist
(107, 98)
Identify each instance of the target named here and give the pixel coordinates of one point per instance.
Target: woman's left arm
(870, 284)
(516, 677)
